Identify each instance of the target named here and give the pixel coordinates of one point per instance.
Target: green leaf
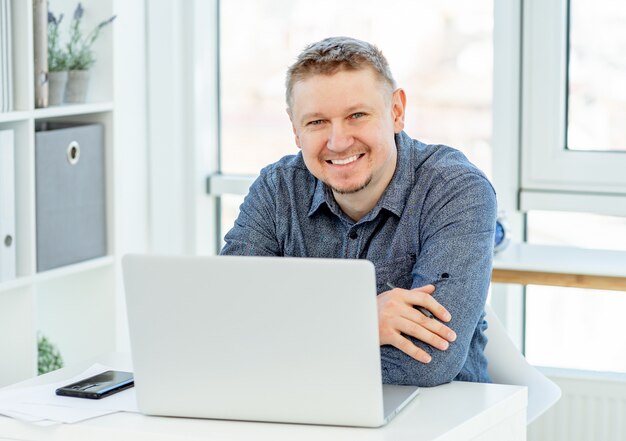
(49, 358)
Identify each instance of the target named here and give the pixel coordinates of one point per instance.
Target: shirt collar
(395, 195)
(402, 182)
(319, 197)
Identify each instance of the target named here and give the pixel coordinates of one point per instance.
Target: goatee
(351, 190)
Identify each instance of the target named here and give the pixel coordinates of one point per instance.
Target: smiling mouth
(345, 161)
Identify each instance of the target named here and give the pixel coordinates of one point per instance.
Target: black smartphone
(98, 386)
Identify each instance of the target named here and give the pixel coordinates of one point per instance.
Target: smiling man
(361, 188)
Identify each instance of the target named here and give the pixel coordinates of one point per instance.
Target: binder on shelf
(3, 55)
(6, 57)
(40, 46)
(7, 206)
(9, 51)
(70, 193)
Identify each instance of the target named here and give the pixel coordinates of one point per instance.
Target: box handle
(73, 152)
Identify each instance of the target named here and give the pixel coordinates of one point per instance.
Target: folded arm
(456, 247)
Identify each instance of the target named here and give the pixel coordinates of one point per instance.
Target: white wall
(162, 131)
(182, 123)
(131, 221)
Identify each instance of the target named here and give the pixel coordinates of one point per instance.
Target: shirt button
(353, 235)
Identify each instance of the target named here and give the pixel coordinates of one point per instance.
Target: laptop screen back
(255, 338)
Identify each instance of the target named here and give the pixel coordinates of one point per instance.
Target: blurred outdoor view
(441, 53)
(597, 75)
(571, 327)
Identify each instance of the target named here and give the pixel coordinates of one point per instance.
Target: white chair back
(508, 366)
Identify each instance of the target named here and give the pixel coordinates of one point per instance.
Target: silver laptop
(258, 338)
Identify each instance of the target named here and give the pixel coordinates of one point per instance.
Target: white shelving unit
(75, 306)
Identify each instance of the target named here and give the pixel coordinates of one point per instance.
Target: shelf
(75, 305)
(58, 273)
(18, 115)
(76, 268)
(19, 282)
(71, 110)
(56, 112)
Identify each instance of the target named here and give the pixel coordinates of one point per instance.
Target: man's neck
(356, 205)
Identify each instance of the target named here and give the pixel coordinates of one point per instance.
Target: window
(572, 141)
(596, 71)
(572, 131)
(439, 52)
(576, 328)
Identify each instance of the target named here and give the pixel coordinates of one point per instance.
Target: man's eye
(357, 115)
(317, 122)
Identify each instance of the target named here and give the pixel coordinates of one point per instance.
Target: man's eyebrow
(354, 108)
(311, 116)
(358, 107)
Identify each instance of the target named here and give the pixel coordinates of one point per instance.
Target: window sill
(561, 266)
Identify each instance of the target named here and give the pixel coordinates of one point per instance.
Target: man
(361, 188)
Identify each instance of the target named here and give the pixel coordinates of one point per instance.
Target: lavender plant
(79, 50)
(57, 57)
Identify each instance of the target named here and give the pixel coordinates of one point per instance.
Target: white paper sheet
(39, 412)
(40, 404)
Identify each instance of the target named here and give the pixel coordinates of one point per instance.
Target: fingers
(428, 330)
(401, 327)
(406, 346)
(398, 318)
(422, 297)
(428, 289)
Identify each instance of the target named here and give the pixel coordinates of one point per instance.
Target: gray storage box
(70, 193)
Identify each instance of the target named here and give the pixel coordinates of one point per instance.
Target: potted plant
(80, 56)
(48, 356)
(57, 62)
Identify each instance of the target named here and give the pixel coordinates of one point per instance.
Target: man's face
(344, 124)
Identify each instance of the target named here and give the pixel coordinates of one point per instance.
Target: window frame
(549, 169)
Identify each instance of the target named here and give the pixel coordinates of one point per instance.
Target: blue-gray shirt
(433, 224)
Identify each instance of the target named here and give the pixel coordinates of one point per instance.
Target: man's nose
(339, 138)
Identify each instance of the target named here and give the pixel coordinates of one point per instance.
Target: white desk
(452, 412)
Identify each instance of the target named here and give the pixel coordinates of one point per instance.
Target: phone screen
(98, 386)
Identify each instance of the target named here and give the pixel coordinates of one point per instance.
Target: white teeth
(344, 161)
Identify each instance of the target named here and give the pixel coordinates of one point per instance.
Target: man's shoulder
(441, 162)
(286, 164)
(285, 167)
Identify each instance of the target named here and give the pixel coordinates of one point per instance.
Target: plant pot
(56, 87)
(77, 84)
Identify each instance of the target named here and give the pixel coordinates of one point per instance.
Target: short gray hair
(334, 54)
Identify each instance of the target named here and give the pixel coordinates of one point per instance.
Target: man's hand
(397, 316)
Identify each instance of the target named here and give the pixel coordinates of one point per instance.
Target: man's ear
(293, 127)
(398, 108)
